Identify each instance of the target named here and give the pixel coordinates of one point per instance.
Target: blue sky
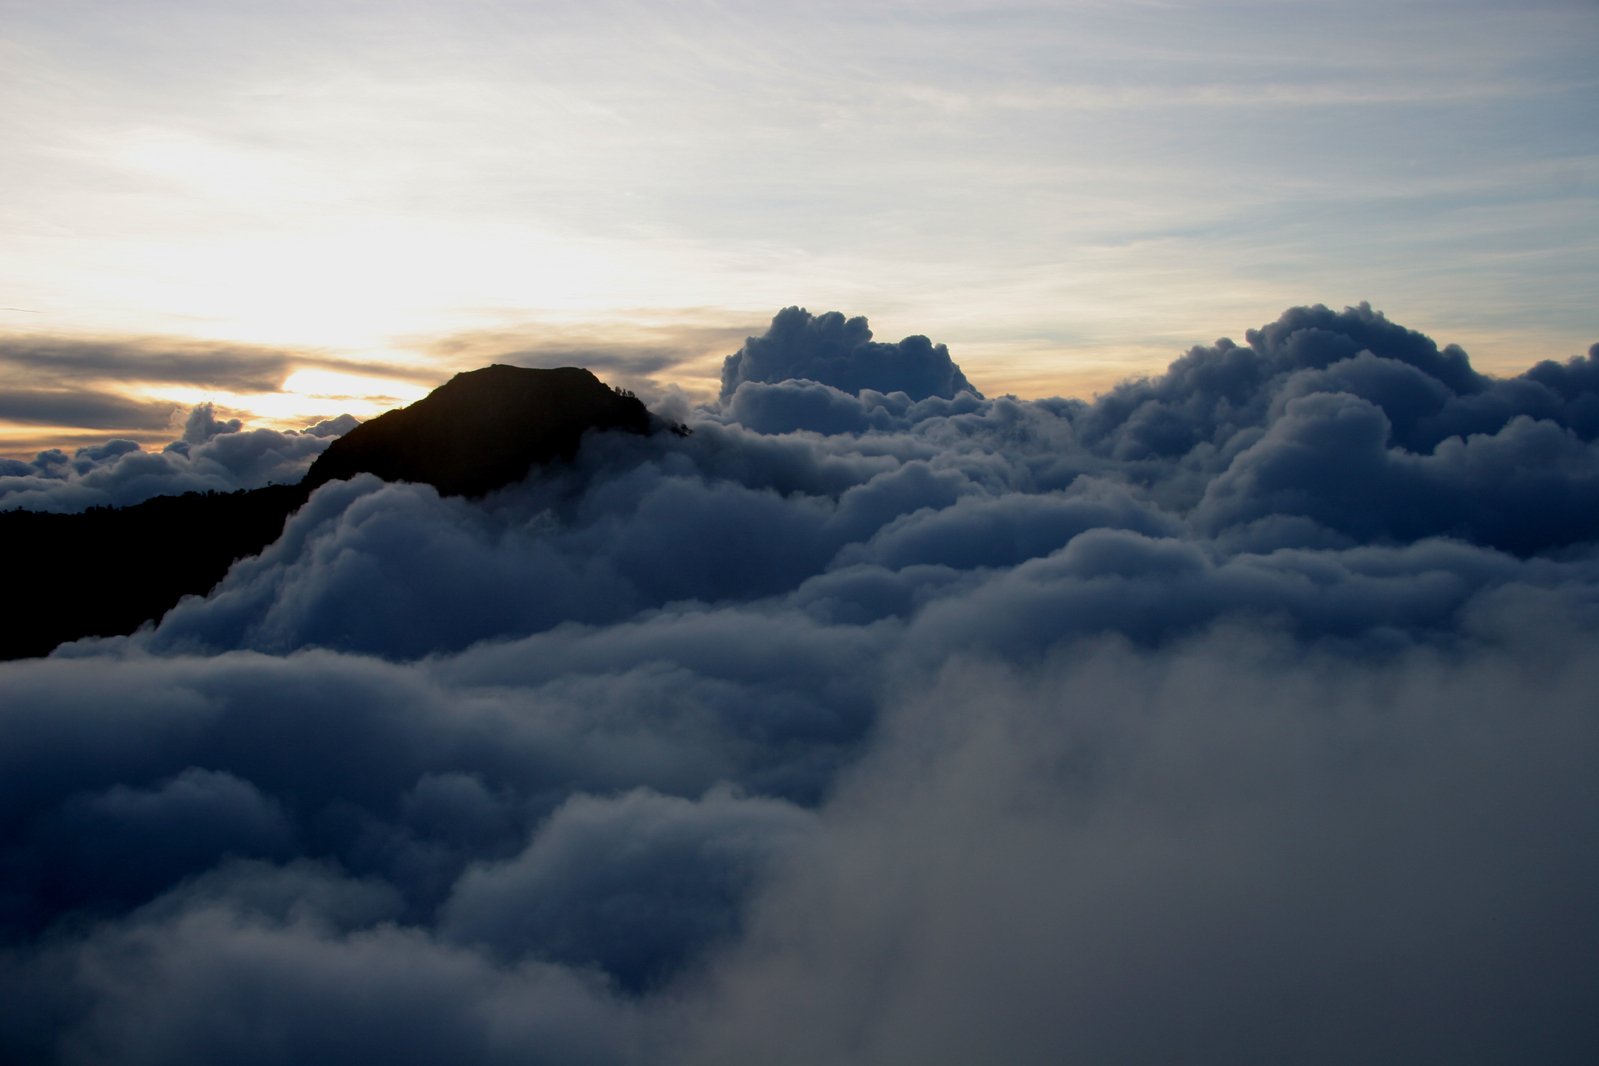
(1065, 193)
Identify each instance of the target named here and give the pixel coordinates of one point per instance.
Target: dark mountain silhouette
(108, 570)
(481, 430)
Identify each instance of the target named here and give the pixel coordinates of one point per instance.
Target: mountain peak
(477, 432)
(482, 429)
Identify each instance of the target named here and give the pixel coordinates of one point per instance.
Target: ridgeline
(107, 571)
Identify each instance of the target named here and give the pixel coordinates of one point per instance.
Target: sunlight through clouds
(1087, 661)
(1069, 194)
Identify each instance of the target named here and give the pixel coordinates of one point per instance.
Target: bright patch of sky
(1065, 193)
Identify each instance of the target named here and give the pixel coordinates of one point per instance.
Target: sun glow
(317, 393)
(333, 385)
(307, 396)
(354, 285)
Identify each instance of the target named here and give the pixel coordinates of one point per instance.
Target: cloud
(125, 844)
(1243, 713)
(234, 367)
(60, 407)
(91, 379)
(840, 352)
(184, 980)
(202, 424)
(1524, 488)
(211, 456)
(634, 884)
(612, 362)
(629, 353)
(165, 360)
(1219, 852)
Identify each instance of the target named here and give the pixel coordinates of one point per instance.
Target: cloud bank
(1241, 714)
(211, 456)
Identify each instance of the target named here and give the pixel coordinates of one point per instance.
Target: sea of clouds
(1243, 714)
(212, 455)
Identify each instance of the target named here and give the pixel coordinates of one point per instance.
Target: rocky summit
(482, 429)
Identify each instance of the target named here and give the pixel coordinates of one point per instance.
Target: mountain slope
(482, 429)
(107, 571)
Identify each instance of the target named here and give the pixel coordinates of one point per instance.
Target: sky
(298, 210)
(1244, 714)
(1162, 627)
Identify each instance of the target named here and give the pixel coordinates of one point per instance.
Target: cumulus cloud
(840, 352)
(1241, 714)
(212, 455)
(634, 884)
(203, 424)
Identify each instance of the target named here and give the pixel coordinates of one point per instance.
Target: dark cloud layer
(238, 368)
(1242, 714)
(76, 407)
(235, 367)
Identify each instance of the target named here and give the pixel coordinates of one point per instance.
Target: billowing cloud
(1241, 714)
(212, 455)
(633, 884)
(1222, 851)
(840, 352)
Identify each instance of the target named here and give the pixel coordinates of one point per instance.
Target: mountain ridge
(519, 417)
(479, 431)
